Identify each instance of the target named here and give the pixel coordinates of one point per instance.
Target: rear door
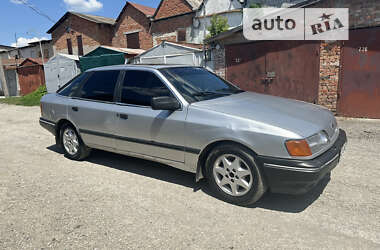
(93, 109)
(142, 130)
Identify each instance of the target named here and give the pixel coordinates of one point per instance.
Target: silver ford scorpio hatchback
(243, 143)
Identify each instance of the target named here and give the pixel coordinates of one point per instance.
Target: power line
(35, 9)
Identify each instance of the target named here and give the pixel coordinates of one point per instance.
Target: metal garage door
(281, 68)
(359, 86)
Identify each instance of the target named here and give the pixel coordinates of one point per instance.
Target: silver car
(243, 143)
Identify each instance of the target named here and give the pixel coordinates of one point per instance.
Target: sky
(17, 18)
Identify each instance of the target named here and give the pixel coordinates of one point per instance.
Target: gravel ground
(117, 202)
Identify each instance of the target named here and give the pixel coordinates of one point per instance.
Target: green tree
(255, 5)
(219, 24)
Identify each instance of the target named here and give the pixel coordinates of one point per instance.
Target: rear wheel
(72, 144)
(234, 176)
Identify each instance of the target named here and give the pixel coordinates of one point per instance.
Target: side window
(100, 86)
(72, 86)
(140, 87)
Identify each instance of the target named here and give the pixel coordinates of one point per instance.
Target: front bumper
(299, 176)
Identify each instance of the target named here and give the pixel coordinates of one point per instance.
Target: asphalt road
(116, 202)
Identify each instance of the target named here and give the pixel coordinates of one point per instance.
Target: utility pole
(42, 53)
(3, 81)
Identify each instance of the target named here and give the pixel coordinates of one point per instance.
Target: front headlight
(308, 146)
(318, 141)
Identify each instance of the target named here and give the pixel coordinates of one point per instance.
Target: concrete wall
(230, 9)
(32, 51)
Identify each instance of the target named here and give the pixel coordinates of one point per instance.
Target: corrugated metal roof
(125, 50)
(148, 11)
(71, 57)
(91, 18)
(96, 19)
(188, 45)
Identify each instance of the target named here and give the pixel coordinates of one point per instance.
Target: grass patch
(32, 99)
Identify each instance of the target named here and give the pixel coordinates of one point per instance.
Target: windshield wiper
(230, 91)
(206, 93)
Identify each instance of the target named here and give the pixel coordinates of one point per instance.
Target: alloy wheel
(70, 141)
(233, 175)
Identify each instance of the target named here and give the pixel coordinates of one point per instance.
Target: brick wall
(329, 74)
(172, 7)
(219, 58)
(93, 35)
(131, 20)
(362, 13)
(166, 29)
(168, 38)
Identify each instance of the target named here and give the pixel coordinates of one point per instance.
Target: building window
(80, 45)
(133, 41)
(181, 35)
(69, 46)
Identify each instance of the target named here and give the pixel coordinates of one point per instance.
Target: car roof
(139, 66)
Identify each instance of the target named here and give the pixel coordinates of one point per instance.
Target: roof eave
(223, 34)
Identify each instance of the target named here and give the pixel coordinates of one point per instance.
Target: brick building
(132, 27)
(78, 34)
(340, 75)
(173, 20)
(334, 64)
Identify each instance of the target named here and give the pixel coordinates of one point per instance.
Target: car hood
(299, 117)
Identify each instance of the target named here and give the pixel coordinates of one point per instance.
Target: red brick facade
(166, 29)
(131, 20)
(329, 74)
(362, 14)
(93, 34)
(170, 8)
(219, 58)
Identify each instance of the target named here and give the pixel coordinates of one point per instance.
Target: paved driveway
(117, 202)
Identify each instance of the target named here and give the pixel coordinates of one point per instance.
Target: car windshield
(198, 84)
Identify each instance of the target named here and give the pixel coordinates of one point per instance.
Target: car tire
(72, 144)
(234, 176)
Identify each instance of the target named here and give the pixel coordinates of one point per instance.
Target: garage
(359, 86)
(288, 69)
(31, 75)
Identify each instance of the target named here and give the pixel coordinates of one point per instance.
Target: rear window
(70, 88)
(100, 86)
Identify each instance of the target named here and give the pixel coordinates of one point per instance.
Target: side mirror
(165, 103)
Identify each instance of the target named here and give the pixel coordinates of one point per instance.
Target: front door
(142, 130)
(93, 109)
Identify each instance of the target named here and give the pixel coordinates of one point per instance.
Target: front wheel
(72, 144)
(234, 176)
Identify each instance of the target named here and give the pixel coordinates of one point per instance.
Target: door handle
(122, 116)
(75, 109)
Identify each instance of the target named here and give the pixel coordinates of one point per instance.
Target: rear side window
(100, 86)
(70, 88)
(140, 87)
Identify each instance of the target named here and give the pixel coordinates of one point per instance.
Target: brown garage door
(281, 68)
(359, 86)
(31, 76)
